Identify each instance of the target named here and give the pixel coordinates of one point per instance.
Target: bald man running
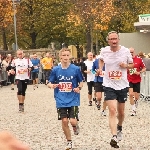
(90, 75)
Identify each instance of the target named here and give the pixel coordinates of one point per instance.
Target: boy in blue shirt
(66, 79)
(36, 63)
(98, 85)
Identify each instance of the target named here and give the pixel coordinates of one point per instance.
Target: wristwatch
(79, 88)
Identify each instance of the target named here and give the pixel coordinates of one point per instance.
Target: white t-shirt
(90, 76)
(21, 65)
(115, 77)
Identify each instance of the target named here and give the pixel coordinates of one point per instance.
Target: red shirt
(138, 66)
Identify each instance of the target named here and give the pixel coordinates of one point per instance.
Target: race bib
(21, 71)
(115, 75)
(65, 86)
(132, 71)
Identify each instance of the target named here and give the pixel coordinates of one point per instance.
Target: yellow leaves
(97, 14)
(5, 12)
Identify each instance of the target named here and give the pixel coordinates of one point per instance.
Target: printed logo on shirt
(132, 71)
(115, 75)
(21, 71)
(65, 86)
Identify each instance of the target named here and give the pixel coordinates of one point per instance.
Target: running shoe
(90, 103)
(133, 113)
(98, 107)
(76, 129)
(114, 142)
(21, 108)
(69, 145)
(136, 103)
(119, 135)
(34, 87)
(103, 113)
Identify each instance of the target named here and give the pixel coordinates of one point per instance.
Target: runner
(98, 81)
(66, 80)
(90, 76)
(22, 66)
(36, 63)
(134, 78)
(47, 63)
(11, 73)
(117, 59)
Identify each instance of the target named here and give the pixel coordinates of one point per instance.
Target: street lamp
(15, 22)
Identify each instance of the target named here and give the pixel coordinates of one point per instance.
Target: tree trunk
(88, 40)
(33, 36)
(5, 47)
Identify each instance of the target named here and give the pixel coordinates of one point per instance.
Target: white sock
(133, 107)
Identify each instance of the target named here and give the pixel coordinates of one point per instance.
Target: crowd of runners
(116, 72)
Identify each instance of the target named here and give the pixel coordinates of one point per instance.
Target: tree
(94, 15)
(42, 21)
(5, 19)
(127, 14)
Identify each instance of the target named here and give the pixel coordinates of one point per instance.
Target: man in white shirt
(117, 60)
(90, 75)
(22, 67)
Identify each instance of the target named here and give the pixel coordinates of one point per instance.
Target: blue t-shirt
(68, 79)
(96, 66)
(35, 62)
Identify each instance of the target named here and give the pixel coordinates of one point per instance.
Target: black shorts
(34, 75)
(119, 95)
(47, 73)
(90, 86)
(135, 86)
(22, 86)
(98, 87)
(68, 112)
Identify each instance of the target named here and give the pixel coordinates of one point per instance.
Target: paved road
(39, 126)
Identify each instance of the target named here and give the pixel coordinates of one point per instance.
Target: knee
(65, 121)
(131, 94)
(73, 121)
(112, 111)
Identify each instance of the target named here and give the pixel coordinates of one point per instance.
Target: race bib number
(115, 75)
(132, 71)
(65, 86)
(21, 71)
(102, 74)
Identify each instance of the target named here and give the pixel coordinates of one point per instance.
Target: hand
(100, 72)
(123, 65)
(8, 142)
(77, 90)
(53, 86)
(88, 71)
(137, 73)
(97, 72)
(25, 70)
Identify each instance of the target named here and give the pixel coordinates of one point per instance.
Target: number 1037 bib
(65, 86)
(115, 75)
